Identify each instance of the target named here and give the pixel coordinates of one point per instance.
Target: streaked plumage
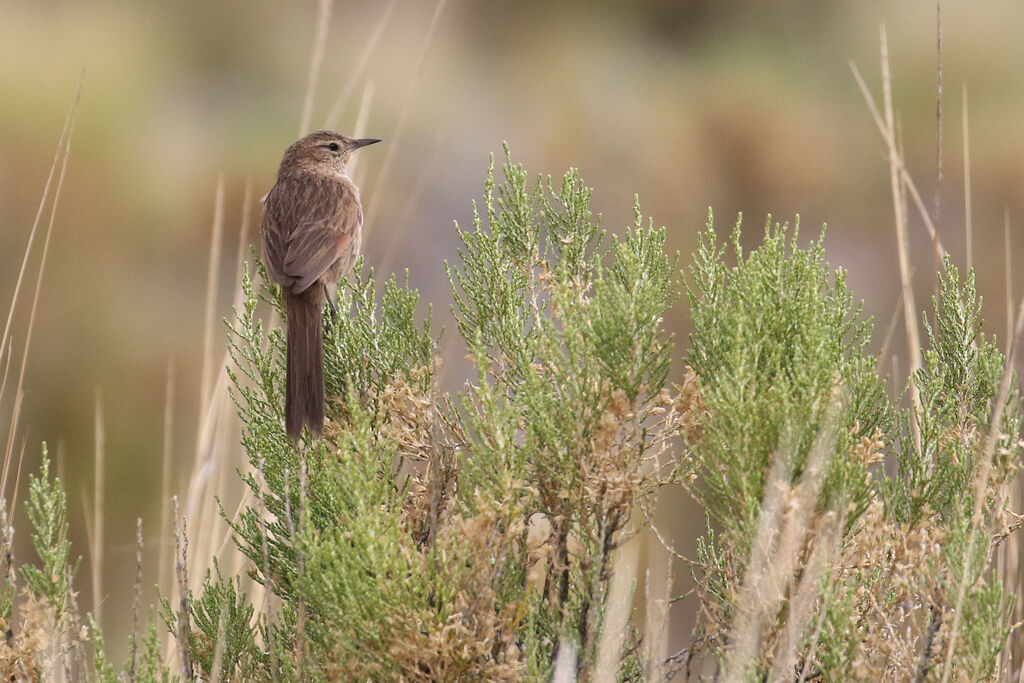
(312, 224)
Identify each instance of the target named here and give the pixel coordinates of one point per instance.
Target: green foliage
(370, 346)
(958, 381)
(403, 542)
(315, 491)
(538, 284)
(471, 537)
(565, 327)
(958, 385)
(47, 514)
(359, 567)
(222, 624)
(150, 666)
(103, 670)
(8, 588)
(777, 347)
(772, 339)
(364, 351)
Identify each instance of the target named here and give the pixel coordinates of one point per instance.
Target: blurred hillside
(742, 106)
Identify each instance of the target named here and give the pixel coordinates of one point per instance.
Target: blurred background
(742, 106)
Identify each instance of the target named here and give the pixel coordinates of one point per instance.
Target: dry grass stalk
(658, 596)
(301, 643)
(265, 605)
(825, 542)
(786, 529)
(395, 137)
(910, 187)
(619, 608)
(1012, 550)
(968, 236)
(216, 453)
(323, 22)
(209, 314)
(96, 540)
(165, 542)
(61, 158)
(1008, 267)
(902, 238)
(136, 596)
(218, 648)
(938, 108)
(63, 147)
(183, 636)
(356, 72)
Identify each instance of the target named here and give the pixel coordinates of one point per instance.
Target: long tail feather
(304, 396)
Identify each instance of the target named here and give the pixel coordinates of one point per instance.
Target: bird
(311, 235)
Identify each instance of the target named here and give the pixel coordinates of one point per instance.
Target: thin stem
(967, 190)
(902, 241)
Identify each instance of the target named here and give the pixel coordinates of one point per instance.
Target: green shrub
(474, 536)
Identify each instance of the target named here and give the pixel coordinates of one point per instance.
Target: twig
(929, 638)
(301, 644)
(889, 331)
(184, 635)
(274, 671)
(137, 594)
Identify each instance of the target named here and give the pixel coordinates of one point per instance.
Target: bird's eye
(333, 147)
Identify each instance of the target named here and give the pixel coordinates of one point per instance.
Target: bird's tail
(304, 394)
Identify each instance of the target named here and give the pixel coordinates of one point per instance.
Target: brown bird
(312, 224)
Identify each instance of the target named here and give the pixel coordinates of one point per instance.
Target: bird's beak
(364, 142)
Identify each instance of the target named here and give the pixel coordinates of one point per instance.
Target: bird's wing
(275, 237)
(320, 216)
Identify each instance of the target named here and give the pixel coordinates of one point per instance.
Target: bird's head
(324, 152)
